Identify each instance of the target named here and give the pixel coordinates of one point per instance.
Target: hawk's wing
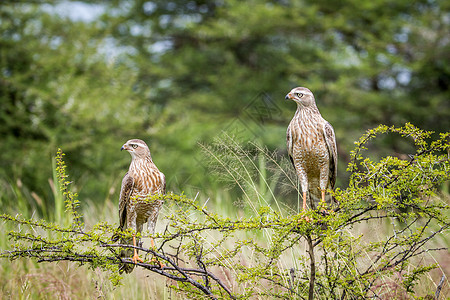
(163, 184)
(290, 144)
(330, 140)
(125, 192)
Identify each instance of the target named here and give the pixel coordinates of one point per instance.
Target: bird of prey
(311, 145)
(142, 180)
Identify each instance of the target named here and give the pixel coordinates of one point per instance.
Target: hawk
(311, 145)
(142, 180)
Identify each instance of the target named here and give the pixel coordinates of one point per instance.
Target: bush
(272, 251)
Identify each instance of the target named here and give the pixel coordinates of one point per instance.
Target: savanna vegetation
(203, 82)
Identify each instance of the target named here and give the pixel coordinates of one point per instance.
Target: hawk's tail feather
(125, 253)
(127, 268)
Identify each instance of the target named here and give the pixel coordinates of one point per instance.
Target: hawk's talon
(136, 259)
(306, 219)
(155, 260)
(324, 212)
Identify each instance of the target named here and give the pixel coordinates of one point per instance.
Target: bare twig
(312, 267)
(439, 287)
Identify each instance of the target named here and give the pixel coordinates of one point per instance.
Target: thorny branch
(182, 245)
(312, 267)
(172, 271)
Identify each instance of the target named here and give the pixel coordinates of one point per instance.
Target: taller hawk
(311, 145)
(142, 180)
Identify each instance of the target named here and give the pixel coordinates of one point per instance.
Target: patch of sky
(76, 10)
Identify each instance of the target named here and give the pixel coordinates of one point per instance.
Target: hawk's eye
(299, 95)
(134, 146)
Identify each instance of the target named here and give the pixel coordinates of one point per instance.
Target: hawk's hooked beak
(124, 147)
(288, 97)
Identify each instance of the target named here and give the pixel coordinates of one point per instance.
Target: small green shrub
(272, 251)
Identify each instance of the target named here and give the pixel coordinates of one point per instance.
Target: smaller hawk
(142, 180)
(311, 145)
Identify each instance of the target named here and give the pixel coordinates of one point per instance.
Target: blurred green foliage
(176, 73)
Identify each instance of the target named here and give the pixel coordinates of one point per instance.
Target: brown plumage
(311, 146)
(142, 179)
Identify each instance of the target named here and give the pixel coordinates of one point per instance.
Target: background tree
(164, 69)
